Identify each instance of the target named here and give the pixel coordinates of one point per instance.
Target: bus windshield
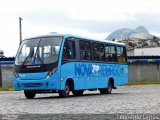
(38, 51)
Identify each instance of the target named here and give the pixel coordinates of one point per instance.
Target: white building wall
(147, 51)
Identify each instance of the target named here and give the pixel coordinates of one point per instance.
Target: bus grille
(31, 84)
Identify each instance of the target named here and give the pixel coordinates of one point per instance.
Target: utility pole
(20, 29)
(0, 76)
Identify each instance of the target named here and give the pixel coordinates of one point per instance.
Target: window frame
(91, 51)
(113, 60)
(98, 51)
(123, 55)
(67, 40)
(83, 50)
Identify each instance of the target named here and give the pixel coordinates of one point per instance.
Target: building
(141, 47)
(154, 51)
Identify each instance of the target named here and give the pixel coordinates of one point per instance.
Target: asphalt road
(140, 99)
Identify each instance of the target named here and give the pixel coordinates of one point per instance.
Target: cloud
(114, 10)
(9, 37)
(88, 18)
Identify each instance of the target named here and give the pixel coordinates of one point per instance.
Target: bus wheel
(77, 92)
(65, 93)
(107, 90)
(29, 94)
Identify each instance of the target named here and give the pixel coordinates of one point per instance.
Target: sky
(88, 18)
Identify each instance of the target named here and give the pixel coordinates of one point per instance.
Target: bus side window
(121, 55)
(69, 51)
(98, 52)
(110, 52)
(85, 50)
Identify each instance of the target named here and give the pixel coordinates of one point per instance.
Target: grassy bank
(6, 89)
(143, 82)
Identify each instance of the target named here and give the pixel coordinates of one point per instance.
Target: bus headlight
(50, 73)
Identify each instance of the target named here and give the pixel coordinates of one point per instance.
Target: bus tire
(77, 92)
(29, 94)
(107, 90)
(65, 93)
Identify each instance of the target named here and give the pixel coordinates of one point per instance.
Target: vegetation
(143, 82)
(6, 89)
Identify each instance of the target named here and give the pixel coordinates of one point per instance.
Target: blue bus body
(85, 75)
(94, 75)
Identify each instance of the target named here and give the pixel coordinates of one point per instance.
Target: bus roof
(76, 36)
(96, 40)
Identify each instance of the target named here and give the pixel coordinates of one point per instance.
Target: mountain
(139, 33)
(142, 29)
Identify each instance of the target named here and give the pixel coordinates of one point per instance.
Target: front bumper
(51, 83)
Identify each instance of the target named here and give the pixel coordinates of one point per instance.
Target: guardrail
(6, 62)
(144, 59)
(7, 58)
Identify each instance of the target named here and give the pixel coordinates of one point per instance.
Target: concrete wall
(144, 71)
(6, 75)
(137, 72)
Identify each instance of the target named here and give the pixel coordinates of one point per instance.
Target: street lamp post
(20, 29)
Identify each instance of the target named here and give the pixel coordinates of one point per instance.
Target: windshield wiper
(38, 57)
(37, 54)
(30, 54)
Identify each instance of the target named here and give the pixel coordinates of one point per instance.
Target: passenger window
(98, 52)
(85, 50)
(69, 51)
(121, 55)
(110, 52)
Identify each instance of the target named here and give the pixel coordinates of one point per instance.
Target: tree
(156, 40)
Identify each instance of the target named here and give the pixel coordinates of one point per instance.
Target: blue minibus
(64, 63)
